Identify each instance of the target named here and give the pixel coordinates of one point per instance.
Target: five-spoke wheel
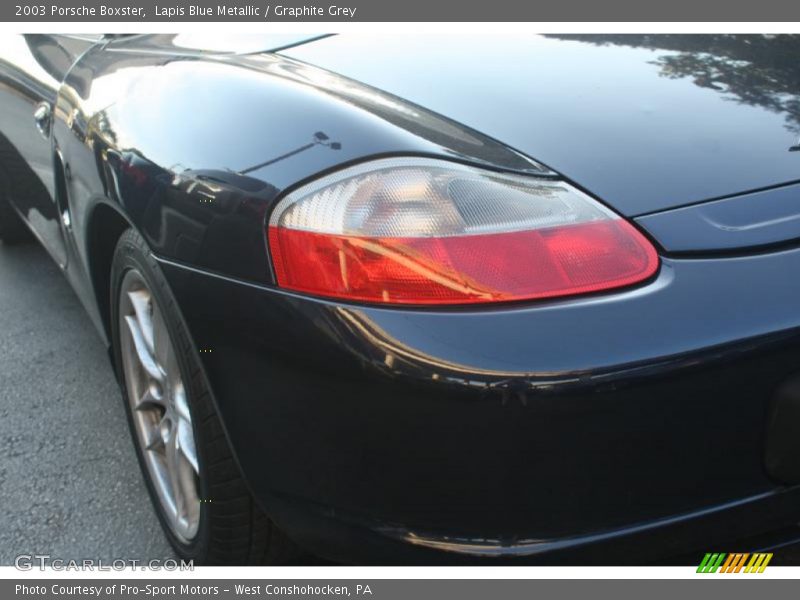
(159, 405)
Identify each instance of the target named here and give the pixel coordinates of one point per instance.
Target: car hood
(646, 123)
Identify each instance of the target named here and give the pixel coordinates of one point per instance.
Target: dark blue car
(432, 299)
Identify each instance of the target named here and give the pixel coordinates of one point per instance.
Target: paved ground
(69, 482)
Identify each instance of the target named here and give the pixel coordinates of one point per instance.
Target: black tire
(12, 228)
(233, 530)
(16, 180)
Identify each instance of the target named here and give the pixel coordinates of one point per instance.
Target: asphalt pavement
(70, 485)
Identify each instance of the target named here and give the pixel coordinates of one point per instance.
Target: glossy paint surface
(196, 149)
(221, 42)
(643, 122)
(541, 421)
(752, 220)
(31, 70)
(529, 423)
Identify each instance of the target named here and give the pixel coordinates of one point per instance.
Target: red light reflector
(412, 230)
(478, 268)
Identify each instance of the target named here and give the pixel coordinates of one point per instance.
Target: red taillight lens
(419, 231)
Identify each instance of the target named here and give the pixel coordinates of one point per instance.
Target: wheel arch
(105, 226)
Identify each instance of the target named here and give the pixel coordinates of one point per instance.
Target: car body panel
(561, 421)
(745, 221)
(200, 194)
(31, 70)
(493, 424)
(645, 123)
(201, 43)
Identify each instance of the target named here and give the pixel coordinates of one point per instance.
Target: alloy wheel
(159, 406)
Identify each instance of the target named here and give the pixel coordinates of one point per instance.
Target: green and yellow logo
(734, 563)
